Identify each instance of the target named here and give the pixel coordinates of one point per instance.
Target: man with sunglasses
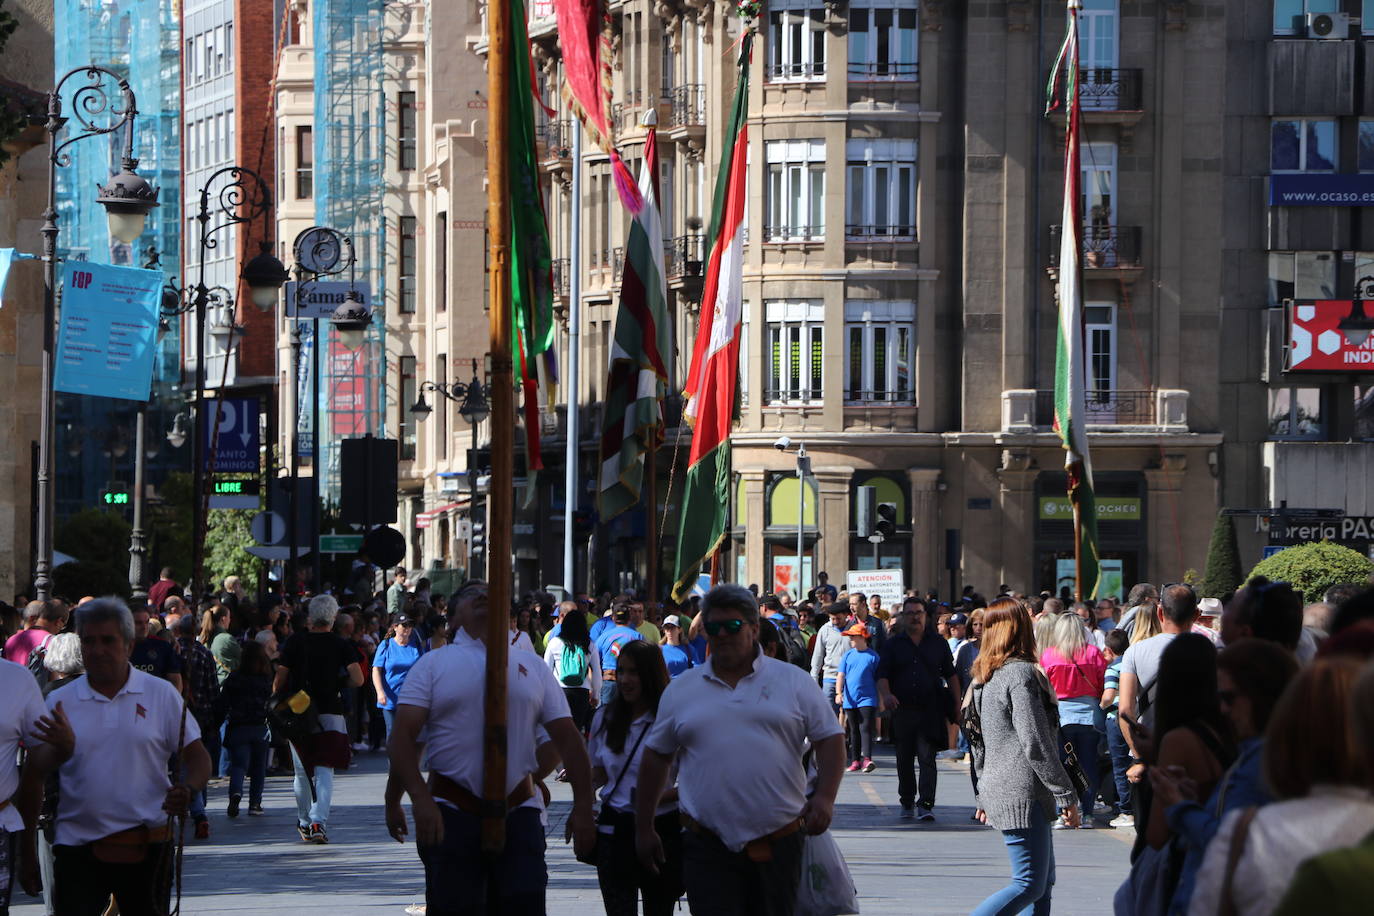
(918, 684)
(444, 692)
(738, 727)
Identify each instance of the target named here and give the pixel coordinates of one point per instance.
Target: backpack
(572, 665)
(794, 644)
(36, 667)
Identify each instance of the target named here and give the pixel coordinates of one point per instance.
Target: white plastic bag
(826, 886)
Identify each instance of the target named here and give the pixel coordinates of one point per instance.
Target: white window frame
(1092, 326)
(802, 320)
(744, 368)
(1308, 6)
(1302, 146)
(887, 322)
(796, 33)
(864, 65)
(866, 159)
(795, 190)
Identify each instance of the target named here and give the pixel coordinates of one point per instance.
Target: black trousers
(580, 704)
(623, 879)
(461, 881)
(914, 742)
(859, 731)
(82, 884)
(725, 883)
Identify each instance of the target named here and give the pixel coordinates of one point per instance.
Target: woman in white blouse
(1316, 765)
(574, 660)
(616, 749)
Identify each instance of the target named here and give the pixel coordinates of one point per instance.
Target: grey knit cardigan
(1018, 766)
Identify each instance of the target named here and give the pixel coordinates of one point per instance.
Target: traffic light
(887, 519)
(115, 496)
(479, 538)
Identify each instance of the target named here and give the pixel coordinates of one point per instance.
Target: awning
(424, 519)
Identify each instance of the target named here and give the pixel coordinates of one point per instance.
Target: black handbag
(294, 717)
(1074, 769)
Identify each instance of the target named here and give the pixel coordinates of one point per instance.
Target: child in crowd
(856, 690)
(1116, 642)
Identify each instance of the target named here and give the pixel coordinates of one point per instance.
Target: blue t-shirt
(677, 660)
(859, 667)
(1113, 682)
(601, 625)
(697, 649)
(395, 661)
(610, 642)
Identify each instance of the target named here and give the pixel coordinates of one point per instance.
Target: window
(189, 61)
(796, 40)
(219, 50)
(796, 190)
(441, 264)
(1099, 327)
(882, 40)
(229, 48)
(1290, 16)
(441, 414)
(743, 352)
(1302, 145)
(1301, 275)
(409, 267)
(1295, 413)
(881, 340)
(405, 384)
(305, 162)
(795, 351)
(882, 189)
(406, 132)
(1366, 144)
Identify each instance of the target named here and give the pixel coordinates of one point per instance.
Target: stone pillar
(927, 535)
(752, 512)
(1163, 560)
(1017, 506)
(832, 551)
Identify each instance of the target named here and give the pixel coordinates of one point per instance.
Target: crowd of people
(704, 744)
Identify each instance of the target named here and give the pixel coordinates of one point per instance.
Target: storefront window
(1295, 413)
(1301, 275)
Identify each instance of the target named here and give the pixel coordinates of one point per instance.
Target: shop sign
(1321, 190)
(1352, 528)
(1109, 509)
(1331, 335)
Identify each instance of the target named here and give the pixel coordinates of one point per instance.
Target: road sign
(268, 528)
(236, 446)
(340, 543)
(889, 583)
(234, 494)
(1271, 549)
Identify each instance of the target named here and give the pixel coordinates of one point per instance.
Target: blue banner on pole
(107, 337)
(236, 445)
(1319, 189)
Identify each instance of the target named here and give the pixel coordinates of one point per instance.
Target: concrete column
(1163, 561)
(1017, 506)
(927, 537)
(832, 551)
(752, 513)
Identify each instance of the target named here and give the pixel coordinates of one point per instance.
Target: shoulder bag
(622, 823)
(1072, 767)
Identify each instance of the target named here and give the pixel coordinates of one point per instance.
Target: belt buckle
(759, 851)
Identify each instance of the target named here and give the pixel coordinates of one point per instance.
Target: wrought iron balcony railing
(687, 105)
(1116, 407)
(1109, 89)
(1103, 246)
(557, 137)
(879, 232)
(685, 256)
(794, 233)
(879, 71)
(779, 72)
(561, 277)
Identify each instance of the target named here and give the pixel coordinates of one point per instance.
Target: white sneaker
(1123, 820)
(1060, 824)
(415, 909)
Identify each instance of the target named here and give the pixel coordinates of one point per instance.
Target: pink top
(22, 643)
(1083, 676)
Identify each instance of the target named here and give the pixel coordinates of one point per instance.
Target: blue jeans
(607, 692)
(1121, 762)
(312, 810)
(389, 717)
(1032, 872)
(1084, 739)
(247, 747)
(828, 688)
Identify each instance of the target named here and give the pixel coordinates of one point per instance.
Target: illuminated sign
(1331, 335)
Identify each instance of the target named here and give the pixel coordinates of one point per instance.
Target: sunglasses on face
(716, 627)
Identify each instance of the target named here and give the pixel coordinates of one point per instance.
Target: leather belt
(608, 675)
(759, 849)
(442, 787)
(137, 836)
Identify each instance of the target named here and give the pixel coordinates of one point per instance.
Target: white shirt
(740, 749)
(450, 682)
(522, 641)
(623, 796)
(553, 657)
(117, 776)
(1282, 836)
(21, 708)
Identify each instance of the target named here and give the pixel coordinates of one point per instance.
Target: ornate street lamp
(98, 108)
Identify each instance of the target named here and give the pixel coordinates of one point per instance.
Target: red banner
(1331, 335)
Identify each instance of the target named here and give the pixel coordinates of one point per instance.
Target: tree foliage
(1314, 567)
(226, 540)
(1223, 559)
(13, 117)
(99, 541)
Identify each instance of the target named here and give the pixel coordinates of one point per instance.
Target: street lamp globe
(1356, 326)
(128, 199)
(475, 408)
(265, 275)
(421, 409)
(351, 320)
(176, 436)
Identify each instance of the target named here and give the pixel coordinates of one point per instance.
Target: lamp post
(803, 469)
(318, 252)
(127, 199)
(474, 408)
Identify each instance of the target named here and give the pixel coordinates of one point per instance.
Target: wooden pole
(650, 497)
(501, 499)
(1077, 543)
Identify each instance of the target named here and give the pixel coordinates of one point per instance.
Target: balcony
(1109, 252)
(1119, 409)
(561, 278)
(617, 264)
(554, 140)
(1110, 95)
(883, 72)
(687, 114)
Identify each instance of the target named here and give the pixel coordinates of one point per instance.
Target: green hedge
(1314, 567)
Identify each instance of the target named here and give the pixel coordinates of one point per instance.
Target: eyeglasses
(716, 627)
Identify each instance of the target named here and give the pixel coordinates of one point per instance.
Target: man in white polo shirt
(112, 834)
(739, 726)
(443, 692)
(20, 710)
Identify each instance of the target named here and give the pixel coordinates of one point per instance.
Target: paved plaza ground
(258, 864)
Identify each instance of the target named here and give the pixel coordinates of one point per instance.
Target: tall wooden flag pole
(501, 500)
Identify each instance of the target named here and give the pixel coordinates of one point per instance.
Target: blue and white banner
(7, 257)
(107, 337)
(1319, 189)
